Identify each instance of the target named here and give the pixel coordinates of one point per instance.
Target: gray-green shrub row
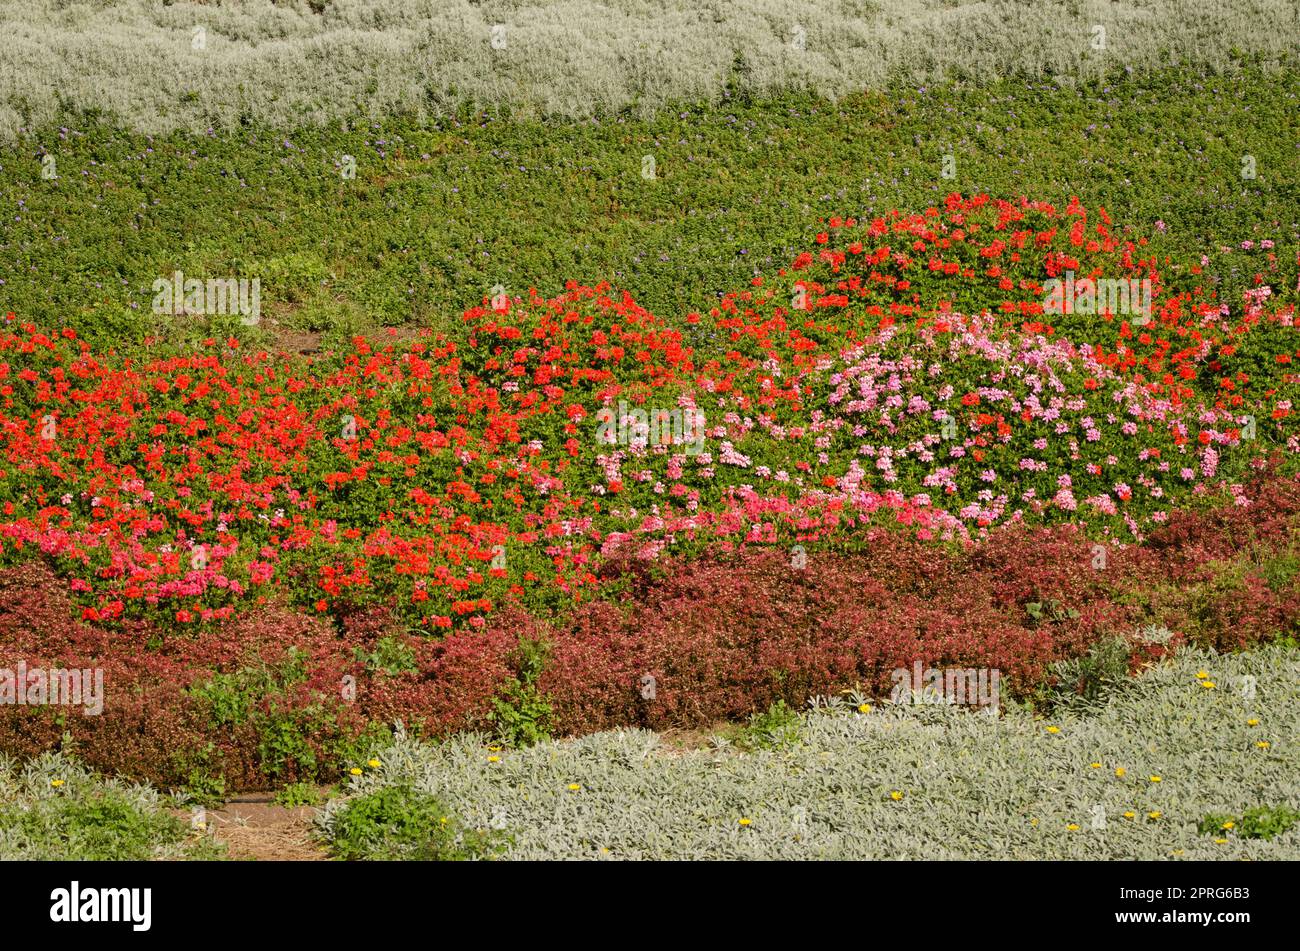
(296, 62)
(971, 786)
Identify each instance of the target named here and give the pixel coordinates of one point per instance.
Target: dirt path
(255, 827)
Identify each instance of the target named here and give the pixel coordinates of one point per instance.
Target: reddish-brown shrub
(723, 635)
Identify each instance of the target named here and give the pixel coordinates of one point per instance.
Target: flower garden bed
(904, 446)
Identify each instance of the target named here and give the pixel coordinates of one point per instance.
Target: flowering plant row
(926, 369)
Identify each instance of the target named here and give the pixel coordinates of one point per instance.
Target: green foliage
(1087, 683)
(1215, 824)
(285, 742)
(521, 714)
(299, 794)
(1051, 610)
(232, 698)
(775, 728)
(97, 827)
(739, 188)
(204, 783)
(396, 822)
(389, 655)
(294, 739)
(758, 144)
(53, 808)
(1261, 822)
(204, 788)
(1280, 571)
(1265, 822)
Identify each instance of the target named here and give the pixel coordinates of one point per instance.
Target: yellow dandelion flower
(896, 795)
(864, 708)
(1252, 722)
(1034, 823)
(1229, 824)
(1130, 814)
(1207, 684)
(1176, 852)
(443, 821)
(56, 783)
(574, 787)
(374, 764)
(1220, 841)
(1154, 779)
(1073, 827)
(1053, 729)
(746, 821)
(494, 759)
(1202, 675)
(355, 771)
(1262, 744)
(1121, 772)
(1094, 765)
(1154, 814)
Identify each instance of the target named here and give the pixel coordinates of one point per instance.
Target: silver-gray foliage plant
(160, 67)
(971, 785)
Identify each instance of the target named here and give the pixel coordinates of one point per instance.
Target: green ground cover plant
(54, 808)
(396, 822)
(440, 215)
